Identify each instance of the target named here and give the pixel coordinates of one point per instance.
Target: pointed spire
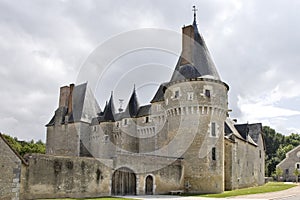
(195, 13)
(133, 105)
(109, 110)
(195, 60)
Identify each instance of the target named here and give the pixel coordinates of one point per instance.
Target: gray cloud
(43, 44)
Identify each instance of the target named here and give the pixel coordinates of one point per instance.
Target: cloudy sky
(45, 44)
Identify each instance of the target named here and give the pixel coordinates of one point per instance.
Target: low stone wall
(59, 177)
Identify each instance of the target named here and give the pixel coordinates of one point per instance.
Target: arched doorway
(149, 185)
(123, 182)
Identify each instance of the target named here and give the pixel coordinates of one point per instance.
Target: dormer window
(207, 93)
(176, 94)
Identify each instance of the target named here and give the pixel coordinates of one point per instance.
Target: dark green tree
(23, 147)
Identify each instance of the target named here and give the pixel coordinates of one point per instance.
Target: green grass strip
(269, 187)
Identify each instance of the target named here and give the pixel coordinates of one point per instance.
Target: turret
(133, 105)
(196, 107)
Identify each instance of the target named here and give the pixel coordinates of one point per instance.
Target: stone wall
(69, 139)
(10, 170)
(59, 177)
(243, 165)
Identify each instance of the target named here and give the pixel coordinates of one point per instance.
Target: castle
(184, 130)
(183, 141)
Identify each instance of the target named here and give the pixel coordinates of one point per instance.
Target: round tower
(196, 105)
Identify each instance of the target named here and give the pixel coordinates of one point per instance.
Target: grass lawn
(100, 198)
(269, 187)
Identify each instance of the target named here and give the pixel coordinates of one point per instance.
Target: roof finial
(195, 11)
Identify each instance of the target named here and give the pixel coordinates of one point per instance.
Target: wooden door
(149, 185)
(123, 182)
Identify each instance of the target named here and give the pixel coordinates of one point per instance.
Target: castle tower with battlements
(183, 140)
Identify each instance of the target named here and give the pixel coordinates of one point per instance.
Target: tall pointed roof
(133, 105)
(195, 59)
(109, 110)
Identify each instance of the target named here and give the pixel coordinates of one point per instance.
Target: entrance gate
(123, 182)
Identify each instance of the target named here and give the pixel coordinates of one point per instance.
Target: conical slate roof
(133, 106)
(109, 110)
(197, 62)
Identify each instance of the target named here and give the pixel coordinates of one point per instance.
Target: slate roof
(144, 110)
(159, 96)
(231, 131)
(202, 63)
(242, 129)
(255, 130)
(227, 130)
(132, 106)
(84, 106)
(109, 110)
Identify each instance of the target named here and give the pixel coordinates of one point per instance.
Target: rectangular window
(176, 94)
(207, 93)
(298, 166)
(190, 96)
(213, 129)
(259, 153)
(286, 171)
(213, 153)
(146, 119)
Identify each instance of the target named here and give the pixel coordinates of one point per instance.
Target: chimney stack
(187, 44)
(70, 101)
(64, 96)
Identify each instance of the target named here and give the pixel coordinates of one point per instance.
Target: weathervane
(195, 11)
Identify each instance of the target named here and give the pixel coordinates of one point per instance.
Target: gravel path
(285, 194)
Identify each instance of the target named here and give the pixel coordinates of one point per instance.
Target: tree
(23, 147)
(277, 145)
(296, 173)
(283, 149)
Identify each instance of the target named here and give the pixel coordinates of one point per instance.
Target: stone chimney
(70, 101)
(64, 96)
(187, 44)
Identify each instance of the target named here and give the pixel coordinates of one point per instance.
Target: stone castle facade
(183, 141)
(186, 123)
